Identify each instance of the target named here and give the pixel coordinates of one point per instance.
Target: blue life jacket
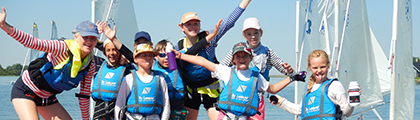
(107, 82)
(196, 72)
(312, 106)
(145, 98)
(41, 73)
(175, 86)
(243, 99)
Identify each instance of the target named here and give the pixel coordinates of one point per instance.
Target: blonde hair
(315, 54)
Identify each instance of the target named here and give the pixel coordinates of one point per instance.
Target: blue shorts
(20, 90)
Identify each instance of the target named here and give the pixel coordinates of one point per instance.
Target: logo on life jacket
(311, 100)
(107, 83)
(241, 88)
(146, 90)
(109, 75)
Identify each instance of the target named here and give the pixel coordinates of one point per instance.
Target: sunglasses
(162, 55)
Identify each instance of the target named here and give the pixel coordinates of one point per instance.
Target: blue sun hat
(87, 28)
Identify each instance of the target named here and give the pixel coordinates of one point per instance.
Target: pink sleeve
(85, 90)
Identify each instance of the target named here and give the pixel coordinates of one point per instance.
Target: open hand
(108, 32)
(3, 16)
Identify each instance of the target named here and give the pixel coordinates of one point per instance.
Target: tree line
(13, 70)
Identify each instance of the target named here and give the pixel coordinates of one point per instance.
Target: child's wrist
(179, 56)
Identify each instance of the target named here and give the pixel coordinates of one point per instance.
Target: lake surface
(71, 104)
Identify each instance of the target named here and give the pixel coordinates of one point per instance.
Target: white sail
(119, 13)
(54, 32)
(402, 85)
(384, 74)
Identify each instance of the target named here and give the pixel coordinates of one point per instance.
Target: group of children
(138, 84)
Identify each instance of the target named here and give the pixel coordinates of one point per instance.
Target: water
(71, 104)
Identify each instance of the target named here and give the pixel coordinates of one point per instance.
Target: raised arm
(110, 34)
(244, 4)
(204, 41)
(3, 24)
(198, 60)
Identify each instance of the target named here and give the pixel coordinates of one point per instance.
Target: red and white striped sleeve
(85, 90)
(57, 48)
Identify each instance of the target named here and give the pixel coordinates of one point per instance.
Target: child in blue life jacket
(143, 93)
(334, 100)
(239, 98)
(264, 58)
(176, 89)
(107, 82)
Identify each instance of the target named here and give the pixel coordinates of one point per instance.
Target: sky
(161, 17)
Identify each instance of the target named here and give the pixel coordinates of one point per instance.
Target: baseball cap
(143, 48)
(251, 22)
(241, 46)
(87, 28)
(189, 16)
(142, 34)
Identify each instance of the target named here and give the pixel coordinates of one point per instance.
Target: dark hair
(161, 45)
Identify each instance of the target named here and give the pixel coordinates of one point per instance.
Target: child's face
(144, 60)
(191, 28)
(162, 58)
(319, 69)
(253, 37)
(112, 54)
(86, 43)
(241, 60)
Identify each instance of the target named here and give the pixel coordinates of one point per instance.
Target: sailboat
(54, 32)
(341, 28)
(119, 13)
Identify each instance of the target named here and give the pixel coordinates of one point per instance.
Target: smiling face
(252, 36)
(241, 60)
(112, 54)
(191, 28)
(86, 43)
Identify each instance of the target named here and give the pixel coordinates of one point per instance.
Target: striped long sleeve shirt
(59, 53)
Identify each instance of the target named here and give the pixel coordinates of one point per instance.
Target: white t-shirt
(223, 74)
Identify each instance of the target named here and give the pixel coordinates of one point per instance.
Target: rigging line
(342, 36)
